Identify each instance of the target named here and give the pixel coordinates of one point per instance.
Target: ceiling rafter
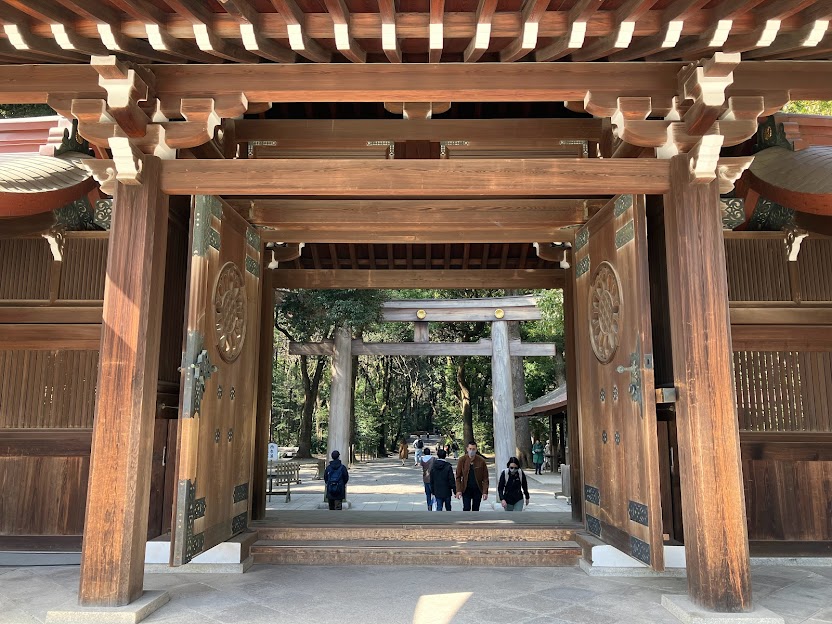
(299, 40)
(574, 39)
(672, 24)
(815, 19)
(202, 20)
(533, 11)
(479, 44)
(16, 26)
(626, 16)
(769, 18)
(62, 24)
(251, 32)
(436, 31)
(389, 37)
(344, 41)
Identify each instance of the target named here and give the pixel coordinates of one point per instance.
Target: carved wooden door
(614, 347)
(219, 371)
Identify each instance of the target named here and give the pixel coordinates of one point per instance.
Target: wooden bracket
(705, 84)
(128, 160)
(704, 158)
(794, 238)
(285, 252)
(729, 169)
(126, 86)
(554, 252)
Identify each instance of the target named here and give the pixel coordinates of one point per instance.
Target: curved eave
(554, 401)
(34, 184)
(799, 180)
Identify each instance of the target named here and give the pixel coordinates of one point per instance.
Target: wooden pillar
(571, 427)
(262, 427)
(502, 397)
(115, 531)
(713, 507)
(341, 395)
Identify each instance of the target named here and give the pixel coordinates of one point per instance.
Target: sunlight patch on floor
(439, 608)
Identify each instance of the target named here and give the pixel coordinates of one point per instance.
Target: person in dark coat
(335, 480)
(512, 486)
(442, 482)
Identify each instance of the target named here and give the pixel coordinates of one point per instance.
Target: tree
(809, 107)
(312, 315)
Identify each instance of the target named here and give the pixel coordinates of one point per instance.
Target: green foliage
(809, 107)
(313, 314)
(11, 111)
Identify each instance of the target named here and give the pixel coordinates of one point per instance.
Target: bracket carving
(705, 83)
(794, 238)
(127, 159)
(729, 170)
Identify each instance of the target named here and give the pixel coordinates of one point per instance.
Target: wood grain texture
(50, 337)
(433, 278)
(806, 338)
(713, 510)
(50, 315)
(573, 404)
(415, 178)
(45, 442)
(112, 563)
(266, 355)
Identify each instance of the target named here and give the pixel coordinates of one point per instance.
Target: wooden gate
(614, 349)
(219, 372)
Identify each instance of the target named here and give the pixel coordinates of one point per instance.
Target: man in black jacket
(442, 482)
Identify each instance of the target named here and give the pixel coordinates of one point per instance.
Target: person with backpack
(335, 479)
(427, 464)
(418, 445)
(512, 486)
(442, 482)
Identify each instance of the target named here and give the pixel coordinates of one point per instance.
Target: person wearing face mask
(471, 479)
(512, 486)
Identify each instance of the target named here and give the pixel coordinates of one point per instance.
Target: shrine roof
(31, 183)
(553, 401)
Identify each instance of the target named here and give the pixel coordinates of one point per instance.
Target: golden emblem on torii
(604, 312)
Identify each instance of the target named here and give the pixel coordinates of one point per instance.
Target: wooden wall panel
(47, 388)
(54, 490)
(173, 306)
(814, 269)
(84, 267)
(783, 390)
(757, 269)
(25, 265)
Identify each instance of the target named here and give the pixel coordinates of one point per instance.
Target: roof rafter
(479, 44)
(574, 39)
(251, 32)
(299, 41)
(389, 38)
(533, 11)
(201, 19)
(344, 41)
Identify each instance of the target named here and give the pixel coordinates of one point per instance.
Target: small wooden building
(402, 145)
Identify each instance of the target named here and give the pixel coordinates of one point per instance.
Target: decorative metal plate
(622, 204)
(252, 266)
(581, 239)
(253, 238)
(214, 238)
(617, 438)
(582, 267)
(232, 393)
(614, 392)
(593, 525)
(230, 435)
(592, 494)
(640, 550)
(241, 492)
(239, 523)
(219, 391)
(188, 510)
(230, 308)
(197, 375)
(604, 436)
(602, 395)
(733, 212)
(103, 215)
(625, 234)
(217, 436)
(638, 513)
(605, 312)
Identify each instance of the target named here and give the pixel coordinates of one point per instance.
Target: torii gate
(496, 310)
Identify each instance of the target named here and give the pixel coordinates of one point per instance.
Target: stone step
(388, 552)
(490, 532)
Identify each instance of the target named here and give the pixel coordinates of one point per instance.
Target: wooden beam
(716, 538)
(46, 337)
(51, 315)
(785, 315)
(344, 41)
(299, 40)
(262, 428)
(577, 17)
(626, 17)
(389, 38)
(436, 35)
(482, 38)
(341, 388)
(781, 338)
(374, 221)
(474, 315)
(356, 133)
(251, 32)
(436, 278)
(115, 532)
(533, 11)
(482, 347)
(413, 178)
(414, 82)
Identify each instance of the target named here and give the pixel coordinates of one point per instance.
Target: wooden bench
(282, 474)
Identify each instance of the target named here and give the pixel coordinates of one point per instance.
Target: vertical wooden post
(713, 507)
(571, 426)
(112, 559)
(264, 392)
(341, 395)
(502, 397)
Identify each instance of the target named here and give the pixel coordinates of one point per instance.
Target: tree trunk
(310, 396)
(518, 384)
(465, 402)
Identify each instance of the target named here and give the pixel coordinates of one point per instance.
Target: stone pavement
(386, 485)
(414, 595)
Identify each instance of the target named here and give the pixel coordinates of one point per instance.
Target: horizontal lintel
(432, 278)
(483, 347)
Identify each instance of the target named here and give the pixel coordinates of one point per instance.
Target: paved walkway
(386, 485)
(414, 595)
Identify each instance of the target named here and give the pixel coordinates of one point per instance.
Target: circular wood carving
(230, 311)
(604, 312)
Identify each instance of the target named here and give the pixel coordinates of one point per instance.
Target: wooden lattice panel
(814, 265)
(25, 264)
(84, 267)
(783, 390)
(47, 389)
(757, 269)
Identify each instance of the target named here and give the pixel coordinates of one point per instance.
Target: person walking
(471, 478)
(404, 451)
(335, 478)
(418, 445)
(512, 486)
(537, 456)
(442, 482)
(427, 463)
